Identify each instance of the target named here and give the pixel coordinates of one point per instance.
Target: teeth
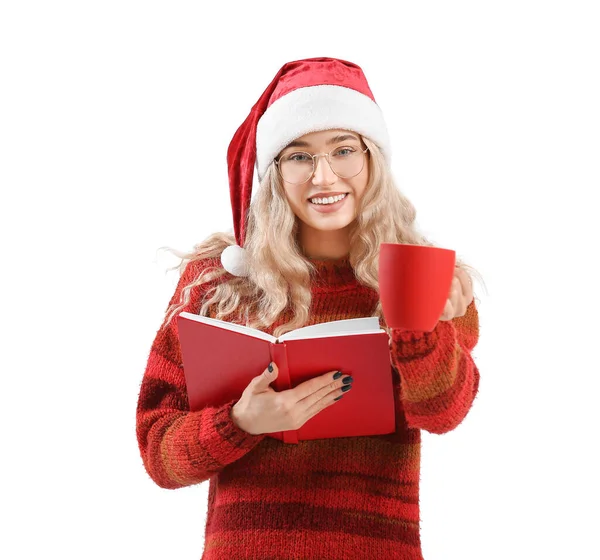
(329, 200)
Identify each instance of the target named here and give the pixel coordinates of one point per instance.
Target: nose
(323, 174)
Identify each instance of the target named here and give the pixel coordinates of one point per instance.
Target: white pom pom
(233, 259)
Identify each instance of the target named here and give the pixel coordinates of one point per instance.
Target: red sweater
(352, 498)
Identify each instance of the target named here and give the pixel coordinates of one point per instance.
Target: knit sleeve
(178, 447)
(438, 377)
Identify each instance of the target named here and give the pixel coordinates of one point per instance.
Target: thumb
(267, 376)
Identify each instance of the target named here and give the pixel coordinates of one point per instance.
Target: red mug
(414, 284)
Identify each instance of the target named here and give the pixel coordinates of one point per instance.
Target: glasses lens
(296, 167)
(347, 162)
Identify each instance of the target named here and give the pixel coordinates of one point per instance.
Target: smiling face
(307, 199)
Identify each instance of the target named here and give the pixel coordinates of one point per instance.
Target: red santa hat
(305, 96)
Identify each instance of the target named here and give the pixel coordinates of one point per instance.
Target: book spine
(283, 382)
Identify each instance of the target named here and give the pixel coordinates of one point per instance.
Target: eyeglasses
(298, 167)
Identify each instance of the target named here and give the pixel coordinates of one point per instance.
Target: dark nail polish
(337, 375)
(346, 388)
(347, 380)
(270, 367)
(338, 398)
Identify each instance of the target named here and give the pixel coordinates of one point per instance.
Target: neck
(319, 244)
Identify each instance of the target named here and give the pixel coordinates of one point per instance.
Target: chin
(331, 225)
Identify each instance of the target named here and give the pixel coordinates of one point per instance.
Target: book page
(229, 326)
(363, 325)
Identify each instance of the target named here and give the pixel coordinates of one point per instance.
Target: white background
(115, 119)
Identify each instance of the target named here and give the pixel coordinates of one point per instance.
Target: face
(324, 183)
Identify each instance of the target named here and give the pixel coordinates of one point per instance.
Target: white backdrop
(115, 119)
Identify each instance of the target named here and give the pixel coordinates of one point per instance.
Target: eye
(344, 152)
(298, 156)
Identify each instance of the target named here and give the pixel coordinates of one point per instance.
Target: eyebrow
(334, 140)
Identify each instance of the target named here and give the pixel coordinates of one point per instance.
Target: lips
(325, 194)
(328, 208)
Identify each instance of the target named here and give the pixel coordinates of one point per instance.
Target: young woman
(305, 251)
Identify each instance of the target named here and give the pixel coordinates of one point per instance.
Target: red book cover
(221, 358)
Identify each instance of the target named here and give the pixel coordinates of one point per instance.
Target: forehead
(325, 137)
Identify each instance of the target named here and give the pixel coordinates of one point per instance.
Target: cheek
(360, 185)
(359, 189)
(360, 193)
(289, 196)
(294, 200)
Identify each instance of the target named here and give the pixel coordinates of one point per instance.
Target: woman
(307, 254)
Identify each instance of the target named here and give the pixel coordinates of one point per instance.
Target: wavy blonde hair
(279, 272)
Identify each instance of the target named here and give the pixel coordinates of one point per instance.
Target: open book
(220, 359)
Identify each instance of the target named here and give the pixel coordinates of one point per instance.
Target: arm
(178, 447)
(438, 377)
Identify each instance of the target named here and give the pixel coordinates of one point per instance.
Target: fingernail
(346, 388)
(337, 375)
(338, 398)
(271, 367)
(347, 380)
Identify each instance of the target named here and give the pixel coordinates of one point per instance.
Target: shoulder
(196, 277)
(209, 269)
(197, 266)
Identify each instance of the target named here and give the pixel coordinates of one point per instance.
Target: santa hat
(305, 96)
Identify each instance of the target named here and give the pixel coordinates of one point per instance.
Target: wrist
(235, 415)
(412, 344)
(237, 418)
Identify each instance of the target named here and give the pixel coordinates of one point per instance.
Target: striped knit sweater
(351, 498)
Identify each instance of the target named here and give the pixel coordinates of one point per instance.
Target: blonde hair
(279, 272)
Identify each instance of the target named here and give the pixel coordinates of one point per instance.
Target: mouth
(325, 201)
(323, 205)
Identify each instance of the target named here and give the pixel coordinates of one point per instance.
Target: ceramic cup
(414, 284)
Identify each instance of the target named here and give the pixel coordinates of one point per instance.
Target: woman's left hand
(461, 295)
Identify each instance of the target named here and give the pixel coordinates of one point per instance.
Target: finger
(321, 403)
(264, 380)
(310, 403)
(314, 385)
(466, 284)
(448, 312)
(467, 292)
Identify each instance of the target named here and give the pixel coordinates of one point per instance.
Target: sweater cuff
(230, 432)
(409, 345)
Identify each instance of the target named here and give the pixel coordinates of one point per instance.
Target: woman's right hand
(262, 410)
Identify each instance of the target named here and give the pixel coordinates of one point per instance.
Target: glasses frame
(315, 163)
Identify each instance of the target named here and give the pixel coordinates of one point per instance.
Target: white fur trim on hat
(314, 108)
(233, 259)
